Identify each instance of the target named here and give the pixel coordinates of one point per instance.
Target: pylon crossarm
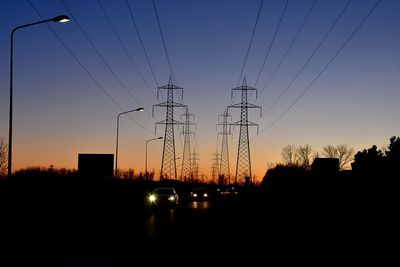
(240, 123)
(238, 105)
(252, 106)
(170, 104)
(170, 86)
(162, 104)
(241, 88)
(173, 122)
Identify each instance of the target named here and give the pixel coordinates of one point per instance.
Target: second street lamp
(157, 138)
(116, 145)
(62, 19)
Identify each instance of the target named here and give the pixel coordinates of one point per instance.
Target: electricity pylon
(168, 163)
(215, 166)
(195, 166)
(243, 162)
(186, 171)
(224, 167)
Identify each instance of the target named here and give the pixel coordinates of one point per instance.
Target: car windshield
(164, 191)
(199, 190)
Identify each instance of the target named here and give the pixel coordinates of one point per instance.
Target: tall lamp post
(116, 146)
(157, 138)
(62, 19)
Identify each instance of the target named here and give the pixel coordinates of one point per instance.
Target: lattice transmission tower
(215, 166)
(243, 162)
(224, 167)
(168, 163)
(195, 166)
(187, 171)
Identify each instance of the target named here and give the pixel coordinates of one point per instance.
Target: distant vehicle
(228, 191)
(199, 194)
(163, 196)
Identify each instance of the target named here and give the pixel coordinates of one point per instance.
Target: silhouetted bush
(376, 163)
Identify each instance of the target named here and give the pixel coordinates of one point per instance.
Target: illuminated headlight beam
(152, 198)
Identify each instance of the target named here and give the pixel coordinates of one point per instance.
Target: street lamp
(116, 146)
(157, 138)
(62, 19)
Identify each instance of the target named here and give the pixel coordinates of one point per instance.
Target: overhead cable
(85, 69)
(325, 67)
(272, 42)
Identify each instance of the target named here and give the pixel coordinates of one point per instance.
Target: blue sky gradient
(60, 112)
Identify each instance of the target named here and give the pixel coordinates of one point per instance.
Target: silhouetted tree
(368, 162)
(150, 175)
(141, 176)
(3, 158)
(305, 156)
(344, 153)
(392, 155)
(289, 156)
(271, 165)
(127, 174)
(329, 151)
(36, 172)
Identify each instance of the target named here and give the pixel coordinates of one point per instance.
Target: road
(110, 228)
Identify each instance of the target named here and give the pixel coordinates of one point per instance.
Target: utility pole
(243, 162)
(168, 163)
(224, 167)
(186, 171)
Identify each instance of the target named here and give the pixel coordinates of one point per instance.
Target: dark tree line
(45, 172)
(303, 156)
(373, 161)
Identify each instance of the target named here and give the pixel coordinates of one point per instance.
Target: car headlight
(195, 195)
(171, 198)
(205, 195)
(152, 198)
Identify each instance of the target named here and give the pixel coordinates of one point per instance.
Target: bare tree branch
(329, 151)
(289, 155)
(304, 154)
(345, 155)
(3, 157)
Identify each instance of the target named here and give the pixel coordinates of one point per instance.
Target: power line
(141, 42)
(85, 69)
(290, 46)
(163, 41)
(251, 41)
(123, 46)
(272, 42)
(311, 56)
(325, 67)
(101, 56)
(248, 49)
(172, 75)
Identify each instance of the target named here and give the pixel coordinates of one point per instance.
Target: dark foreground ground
(107, 224)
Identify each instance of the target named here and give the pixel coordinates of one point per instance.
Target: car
(199, 194)
(228, 191)
(163, 196)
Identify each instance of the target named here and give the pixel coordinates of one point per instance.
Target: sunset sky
(59, 111)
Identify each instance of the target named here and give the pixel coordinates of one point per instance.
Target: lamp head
(139, 109)
(61, 18)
